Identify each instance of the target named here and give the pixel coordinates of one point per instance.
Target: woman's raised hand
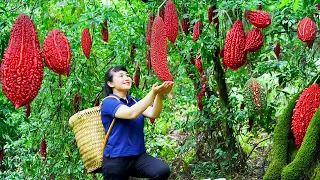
(164, 88)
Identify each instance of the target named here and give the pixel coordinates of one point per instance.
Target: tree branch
(255, 147)
(134, 10)
(13, 9)
(32, 10)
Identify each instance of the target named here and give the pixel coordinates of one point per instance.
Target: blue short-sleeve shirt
(127, 136)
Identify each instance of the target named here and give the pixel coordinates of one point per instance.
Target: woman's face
(121, 81)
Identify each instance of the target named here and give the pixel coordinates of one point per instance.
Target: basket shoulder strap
(112, 123)
(114, 97)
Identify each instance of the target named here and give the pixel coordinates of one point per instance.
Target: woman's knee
(163, 172)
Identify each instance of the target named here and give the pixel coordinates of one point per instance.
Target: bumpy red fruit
(254, 40)
(277, 50)
(86, 42)
(171, 21)
(234, 47)
(255, 97)
(105, 32)
(307, 31)
(200, 97)
(56, 52)
(199, 62)
(136, 76)
(28, 110)
(133, 47)
(185, 24)
(43, 149)
(149, 29)
(306, 106)
(159, 61)
(197, 30)
(258, 18)
(22, 67)
(210, 14)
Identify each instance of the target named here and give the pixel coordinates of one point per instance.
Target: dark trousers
(142, 166)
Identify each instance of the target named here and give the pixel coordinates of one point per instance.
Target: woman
(125, 154)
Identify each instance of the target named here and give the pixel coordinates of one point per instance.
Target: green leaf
(305, 3)
(284, 3)
(295, 5)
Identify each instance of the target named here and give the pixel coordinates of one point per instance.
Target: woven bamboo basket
(89, 132)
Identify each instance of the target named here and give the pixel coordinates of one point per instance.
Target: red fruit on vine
(259, 18)
(307, 31)
(171, 21)
(185, 24)
(86, 42)
(197, 30)
(159, 62)
(43, 149)
(22, 66)
(105, 31)
(306, 106)
(234, 47)
(277, 50)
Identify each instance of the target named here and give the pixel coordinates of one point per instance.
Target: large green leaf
(295, 5)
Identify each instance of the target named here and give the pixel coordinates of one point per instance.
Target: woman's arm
(155, 110)
(125, 112)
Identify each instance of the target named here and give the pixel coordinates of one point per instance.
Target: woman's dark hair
(108, 77)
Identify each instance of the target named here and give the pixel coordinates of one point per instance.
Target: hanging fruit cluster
(237, 44)
(22, 67)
